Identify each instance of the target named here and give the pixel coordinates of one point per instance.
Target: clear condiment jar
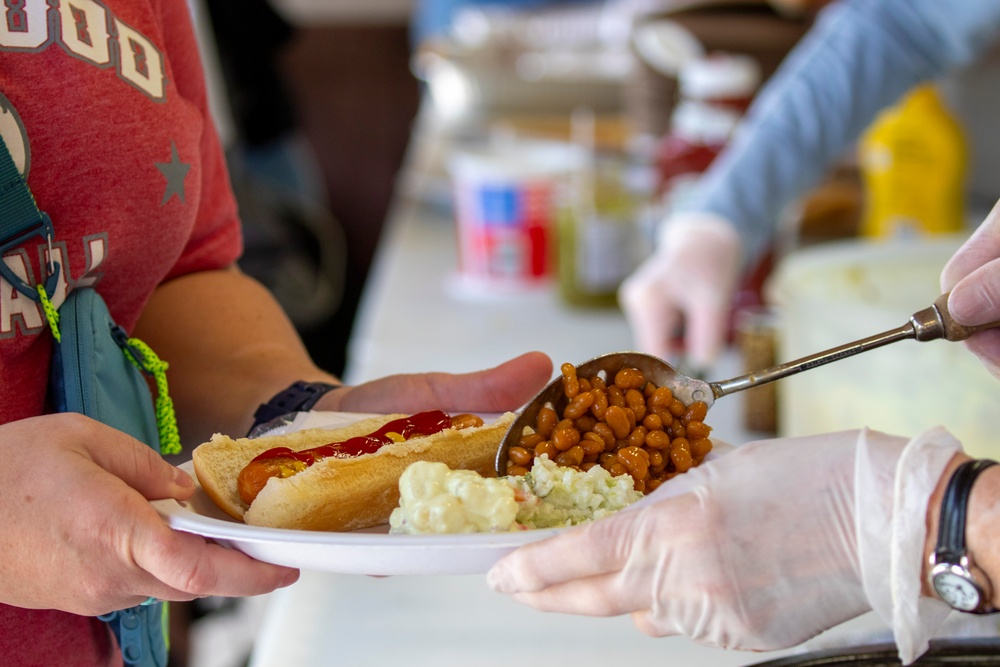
(601, 239)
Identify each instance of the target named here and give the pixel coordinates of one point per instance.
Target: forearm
(230, 347)
(860, 58)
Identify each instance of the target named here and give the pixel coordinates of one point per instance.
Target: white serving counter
(411, 320)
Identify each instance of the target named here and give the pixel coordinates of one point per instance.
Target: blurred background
(317, 101)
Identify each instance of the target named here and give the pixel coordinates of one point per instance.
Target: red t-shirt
(103, 104)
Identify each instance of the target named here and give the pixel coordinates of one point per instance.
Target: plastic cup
(508, 198)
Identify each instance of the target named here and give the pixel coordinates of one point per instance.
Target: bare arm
(230, 347)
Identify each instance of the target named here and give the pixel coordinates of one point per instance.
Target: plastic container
(913, 163)
(839, 292)
(509, 196)
(715, 92)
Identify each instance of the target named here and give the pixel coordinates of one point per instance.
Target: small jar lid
(721, 76)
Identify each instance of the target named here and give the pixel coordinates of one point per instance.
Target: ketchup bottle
(715, 91)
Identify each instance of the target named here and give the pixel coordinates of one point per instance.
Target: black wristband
(298, 397)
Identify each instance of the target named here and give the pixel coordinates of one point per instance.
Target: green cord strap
(142, 357)
(51, 314)
(166, 418)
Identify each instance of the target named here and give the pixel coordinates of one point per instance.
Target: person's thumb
(504, 387)
(141, 467)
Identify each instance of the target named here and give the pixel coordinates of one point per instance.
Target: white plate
(370, 551)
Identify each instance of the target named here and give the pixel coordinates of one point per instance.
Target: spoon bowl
(656, 370)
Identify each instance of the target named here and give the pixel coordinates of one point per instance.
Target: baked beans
(628, 427)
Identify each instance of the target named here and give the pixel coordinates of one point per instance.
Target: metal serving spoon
(930, 323)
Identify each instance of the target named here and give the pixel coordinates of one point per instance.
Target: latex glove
(78, 534)
(760, 549)
(690, 282)
(973, 277)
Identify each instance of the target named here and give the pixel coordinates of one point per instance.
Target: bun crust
(337, 494)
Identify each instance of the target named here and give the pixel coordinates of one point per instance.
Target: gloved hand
(973, 276)
(760, 549)
(690, 281)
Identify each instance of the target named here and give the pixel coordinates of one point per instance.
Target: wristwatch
(298, 397)
(954, 576)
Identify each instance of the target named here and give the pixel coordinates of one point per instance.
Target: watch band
(299, 396)
(951, 547)
(954, 507)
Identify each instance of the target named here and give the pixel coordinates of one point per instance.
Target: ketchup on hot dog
(285, 462)
(422, 423)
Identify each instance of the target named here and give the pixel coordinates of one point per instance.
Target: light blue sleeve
(860, 57)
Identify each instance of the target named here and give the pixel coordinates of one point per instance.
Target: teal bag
(91, 373)
(98, 371)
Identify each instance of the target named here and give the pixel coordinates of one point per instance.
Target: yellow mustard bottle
(913, 162)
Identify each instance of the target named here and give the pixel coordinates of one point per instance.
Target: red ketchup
(715, 92)
(422, 423)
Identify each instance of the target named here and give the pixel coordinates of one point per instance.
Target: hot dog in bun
(338, 479)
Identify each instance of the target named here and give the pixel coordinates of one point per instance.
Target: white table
(411, 320)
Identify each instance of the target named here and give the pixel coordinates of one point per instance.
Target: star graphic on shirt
(174, 171)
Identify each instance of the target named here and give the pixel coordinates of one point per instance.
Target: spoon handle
(936, 322)
(755, 378)
(931, 323)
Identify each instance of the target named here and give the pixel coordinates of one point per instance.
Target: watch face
(957, 590)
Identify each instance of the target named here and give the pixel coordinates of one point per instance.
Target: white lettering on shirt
(23, 24)
(86, 30)
(139, 62)
(16, 308)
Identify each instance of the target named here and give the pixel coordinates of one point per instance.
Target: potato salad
(435, 499)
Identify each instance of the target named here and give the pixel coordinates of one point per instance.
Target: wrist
(956, 575)
(933, 520)
(299, 396)
(709, 227)
(332, 400)
(892, 540)
(983, 526)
